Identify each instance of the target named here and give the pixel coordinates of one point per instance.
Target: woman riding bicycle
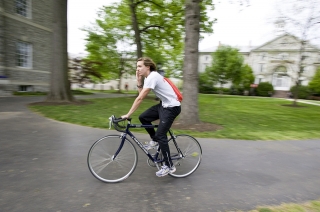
(166, 111)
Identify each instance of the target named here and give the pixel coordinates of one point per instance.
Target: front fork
(123, 137)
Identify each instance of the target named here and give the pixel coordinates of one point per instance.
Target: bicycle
(113, 158)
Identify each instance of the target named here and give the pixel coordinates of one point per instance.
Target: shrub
(29, 93)
(304, 91)
(226, 90)
(80, 92)
(314, 84)
(236, 90)
(207, 89)
(206, 85)
(264, 89)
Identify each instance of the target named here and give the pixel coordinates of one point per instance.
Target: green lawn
(241, 117)
(37, 93)
(108, 91)
(312, 206)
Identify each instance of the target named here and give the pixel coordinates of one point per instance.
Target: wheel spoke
(102, 166)
(191, 158)
(106, 168)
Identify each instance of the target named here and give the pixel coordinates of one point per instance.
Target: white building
(276, 61)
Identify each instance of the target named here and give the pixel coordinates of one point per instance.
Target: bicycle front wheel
(188, 160)
(104, 166)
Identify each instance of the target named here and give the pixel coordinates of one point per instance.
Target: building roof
(248, 49)
(242, 49)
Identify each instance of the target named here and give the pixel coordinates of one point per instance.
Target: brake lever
(110, 122)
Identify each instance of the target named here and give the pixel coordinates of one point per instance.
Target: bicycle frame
(153, 159)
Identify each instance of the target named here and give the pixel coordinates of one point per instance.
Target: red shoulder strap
(175, 89)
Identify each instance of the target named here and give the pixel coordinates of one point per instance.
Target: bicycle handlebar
(117, 120)
(114, 120)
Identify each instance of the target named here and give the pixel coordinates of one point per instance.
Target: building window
(300, 82)
(283, 56)
(263, 56)
(24, 54)
(23, 7)
(261, 67)
(25, 88)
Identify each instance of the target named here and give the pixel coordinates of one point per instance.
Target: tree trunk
(60, 90)
(135, 27)
(300, 70)
(190, 114)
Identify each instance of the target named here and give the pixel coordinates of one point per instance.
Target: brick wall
(34, 29)
(1, 40)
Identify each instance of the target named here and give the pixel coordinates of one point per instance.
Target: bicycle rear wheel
(190, 159)
(102, 165)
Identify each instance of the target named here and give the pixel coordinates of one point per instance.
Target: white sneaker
(151, 145)
(163, 171)
(172, 169)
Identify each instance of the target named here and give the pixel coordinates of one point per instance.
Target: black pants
(166, 116)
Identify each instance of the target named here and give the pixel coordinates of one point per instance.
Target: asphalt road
(43, 168)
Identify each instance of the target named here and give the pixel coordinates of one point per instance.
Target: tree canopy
(148, 28)
(226, 66)
(247, 77)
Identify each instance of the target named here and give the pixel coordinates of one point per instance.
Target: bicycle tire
(101, 164)
(192, 155)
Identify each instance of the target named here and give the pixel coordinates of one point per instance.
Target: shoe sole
(170, 172)
(162, 175)
(173, 171)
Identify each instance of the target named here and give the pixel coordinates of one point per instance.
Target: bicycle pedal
(150, 163)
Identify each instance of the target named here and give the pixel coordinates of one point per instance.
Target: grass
(312, 206)
(38, 93)
(29, 93)
(108, 91)
(247, 118)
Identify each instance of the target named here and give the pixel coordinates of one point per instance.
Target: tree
(302, 19)
(314, 84)
(193, 19)
(227, 66)
(103, 46)
(190, 114)
(206, 85)
(247, 77)
(193, 11)
(59, 84)
(82, 71)
(155, 29)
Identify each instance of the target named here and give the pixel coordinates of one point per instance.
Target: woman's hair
(148, 62)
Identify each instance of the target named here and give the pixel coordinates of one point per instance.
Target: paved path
(43, 168)
(317, 103)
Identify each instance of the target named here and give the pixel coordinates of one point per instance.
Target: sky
(236, 26)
